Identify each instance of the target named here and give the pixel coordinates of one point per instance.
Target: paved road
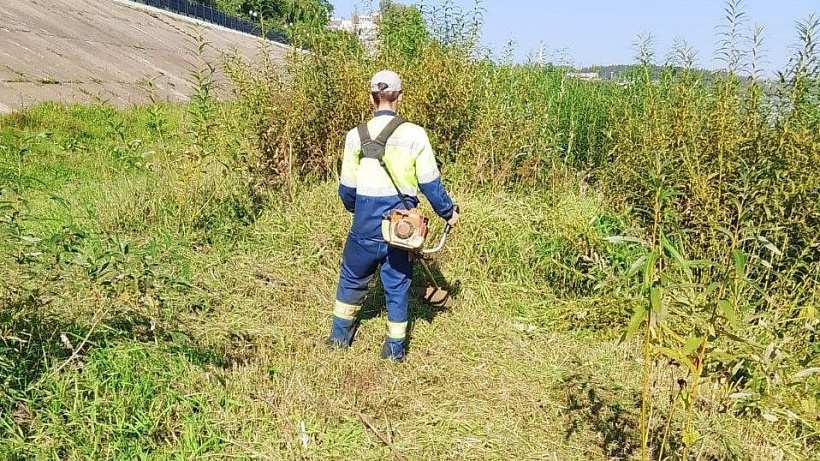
(104, 50)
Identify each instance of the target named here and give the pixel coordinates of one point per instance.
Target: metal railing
(212, 15)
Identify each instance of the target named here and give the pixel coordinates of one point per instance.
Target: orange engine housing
(406, 229)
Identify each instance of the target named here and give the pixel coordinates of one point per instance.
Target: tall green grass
(720, 257)
(125, 332)
(166, 271)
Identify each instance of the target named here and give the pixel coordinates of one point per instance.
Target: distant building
(364, 26)
(588, 76)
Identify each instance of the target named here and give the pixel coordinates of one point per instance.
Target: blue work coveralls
(367, 192)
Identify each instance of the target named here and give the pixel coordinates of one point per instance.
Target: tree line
(278, 15)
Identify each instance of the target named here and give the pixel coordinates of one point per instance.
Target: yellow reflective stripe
(346, 311)
(428, 176)
(388, 190)
(397, 330)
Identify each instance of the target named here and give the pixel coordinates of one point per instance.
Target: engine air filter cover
(404, 229)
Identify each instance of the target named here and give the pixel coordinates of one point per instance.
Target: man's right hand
(453, 219)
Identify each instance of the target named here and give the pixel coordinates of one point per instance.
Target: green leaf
(617, 239)
(669, 331)
(725, 231)
(655, 299)
(761, 291)
(689, 364)
(690, 437)
(634, 323)
(61, 201)
(30, 239)
(678, 357)
(738, 339)
(636, 266)
(669, 193)
(711, 288)
(722, 356)
(807, 372)
(728, 311)
(647, 268)
(740, 263)
(701, 263)
(769, 245)
(671, 353)
(691, 344)
(676, 256)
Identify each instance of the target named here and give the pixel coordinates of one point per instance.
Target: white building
(364, 26)
(588, 76)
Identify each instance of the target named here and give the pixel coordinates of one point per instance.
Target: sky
(599, 32)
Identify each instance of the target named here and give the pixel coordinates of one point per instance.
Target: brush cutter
(434, 294)
(405, 229)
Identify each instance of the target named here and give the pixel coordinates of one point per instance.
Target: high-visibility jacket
(366, 189)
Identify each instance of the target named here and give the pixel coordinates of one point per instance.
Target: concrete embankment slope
(104, 50)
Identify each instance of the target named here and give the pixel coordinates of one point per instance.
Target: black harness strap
(374, 148)
(364, 136)
(388, 130)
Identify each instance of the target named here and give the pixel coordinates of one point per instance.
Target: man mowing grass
(386, 161)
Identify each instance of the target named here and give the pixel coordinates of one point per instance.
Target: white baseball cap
(387, 77)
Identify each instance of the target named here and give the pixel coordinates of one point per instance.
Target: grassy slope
(206, 342)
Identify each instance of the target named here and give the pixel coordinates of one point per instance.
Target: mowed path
(104, 50)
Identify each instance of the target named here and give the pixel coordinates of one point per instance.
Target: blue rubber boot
(341, 333)
(393, 349)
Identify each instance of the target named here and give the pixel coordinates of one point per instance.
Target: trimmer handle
(443, 240)
(448, 227)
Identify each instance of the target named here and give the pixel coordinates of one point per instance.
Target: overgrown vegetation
(717, 177)
(166, 273)
(278, 15)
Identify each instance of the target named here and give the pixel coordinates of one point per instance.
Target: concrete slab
(87, 50)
